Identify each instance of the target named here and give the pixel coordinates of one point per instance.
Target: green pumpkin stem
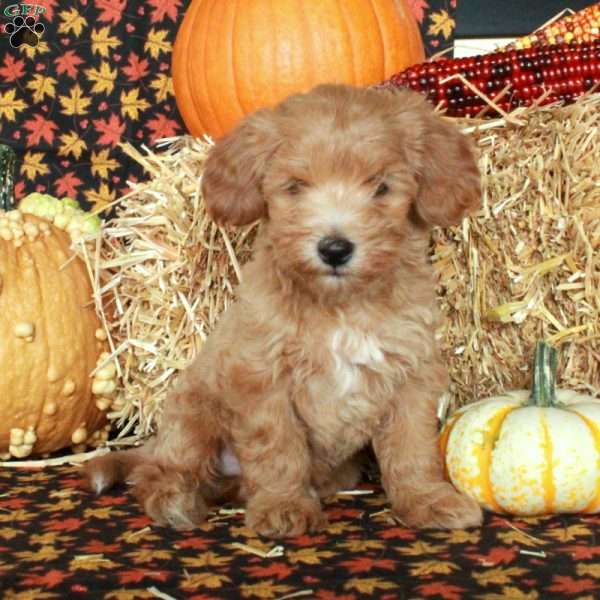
(543, 391)
(7, 174)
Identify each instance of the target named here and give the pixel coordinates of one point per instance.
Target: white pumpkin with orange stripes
(528, 453)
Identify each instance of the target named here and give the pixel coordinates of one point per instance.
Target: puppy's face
(340, 175)
(338, 193)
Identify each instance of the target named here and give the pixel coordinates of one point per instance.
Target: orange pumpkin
(232, 58)
(50, 342)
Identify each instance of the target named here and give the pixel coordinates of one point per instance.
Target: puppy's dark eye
(382, 190)
(295, 186)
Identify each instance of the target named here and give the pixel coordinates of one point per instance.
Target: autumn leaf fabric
(58, 541)
(99, 76)
(437, 24)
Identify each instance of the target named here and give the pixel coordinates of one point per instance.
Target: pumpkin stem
(7, 172)
(543, 391)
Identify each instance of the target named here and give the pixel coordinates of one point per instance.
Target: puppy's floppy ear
(450, 182)
(234, 169)
(449, 185)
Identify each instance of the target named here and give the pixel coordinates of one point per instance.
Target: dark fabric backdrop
(99, 76)
(58, 542)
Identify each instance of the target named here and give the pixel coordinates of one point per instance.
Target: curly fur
(313, 363)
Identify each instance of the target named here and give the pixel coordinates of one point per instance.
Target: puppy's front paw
(287, 518)
(442, 508)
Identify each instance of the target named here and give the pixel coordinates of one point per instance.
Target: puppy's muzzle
(335, 251)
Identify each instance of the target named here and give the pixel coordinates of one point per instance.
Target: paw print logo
(24, 31)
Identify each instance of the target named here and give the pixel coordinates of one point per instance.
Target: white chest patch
(352, 349)
(356, 347)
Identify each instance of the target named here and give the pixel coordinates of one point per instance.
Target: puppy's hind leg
(169, 497)
(328, 481)
(184, 469)
(173, 473)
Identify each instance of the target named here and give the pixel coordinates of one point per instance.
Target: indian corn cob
(583, 26)
(512, 78)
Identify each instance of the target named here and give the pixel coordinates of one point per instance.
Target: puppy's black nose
(335, 251)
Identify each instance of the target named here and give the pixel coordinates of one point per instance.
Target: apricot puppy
(330, 345)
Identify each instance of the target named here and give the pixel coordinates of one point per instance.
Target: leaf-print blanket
(59, 542)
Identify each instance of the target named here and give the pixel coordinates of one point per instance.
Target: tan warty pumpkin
(50, 342)
(528, 453)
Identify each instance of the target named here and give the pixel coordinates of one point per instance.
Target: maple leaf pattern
(138, 575)
(163, 86)
(132, 104)
(10, 104)
(71, 144)
(111, 130)
(41, 86)
(441, 23)
(12, 69)
(570, 585)
(68, 63)
(157, 43)
(418, 8)
(102, 163)
(162, 8)
(58, 541)
(103, 78)
(49, 579)
(443, 590)
(100, 198)
(267, 589)
(72, 21)
(136, 68)
(100, 76)
(102, 42)
(161, 127)
(67, 185)
(111, 10)
(75, 103)
(33, 165)
(368, 585)
(279, 570)
(40, 128)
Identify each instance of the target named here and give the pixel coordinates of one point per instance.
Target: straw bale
(526, 268)
(165, 273)
(523, 269)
